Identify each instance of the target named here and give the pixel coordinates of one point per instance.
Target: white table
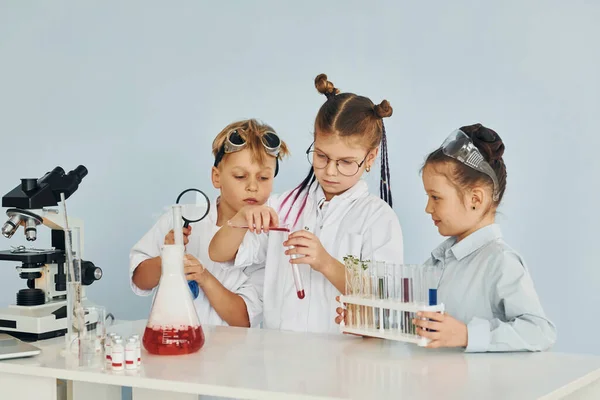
(265, 364)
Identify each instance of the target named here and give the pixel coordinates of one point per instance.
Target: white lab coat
(354, 222)
(245, 281)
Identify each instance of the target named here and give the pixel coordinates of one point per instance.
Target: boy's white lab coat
(245, 281)
(353, 223)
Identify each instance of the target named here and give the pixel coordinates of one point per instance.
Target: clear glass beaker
(75, 317)
(90, 344)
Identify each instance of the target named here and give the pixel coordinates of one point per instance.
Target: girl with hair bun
(489, 297)
(331, 215)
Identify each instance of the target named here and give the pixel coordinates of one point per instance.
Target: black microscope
(40, 311)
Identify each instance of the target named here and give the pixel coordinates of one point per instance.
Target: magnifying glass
(195, 206)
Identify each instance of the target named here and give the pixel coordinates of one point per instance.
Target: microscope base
(35, 323)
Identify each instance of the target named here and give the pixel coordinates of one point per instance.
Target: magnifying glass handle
(194, 288)
(186, 223)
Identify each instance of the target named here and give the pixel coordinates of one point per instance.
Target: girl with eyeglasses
(331, 215)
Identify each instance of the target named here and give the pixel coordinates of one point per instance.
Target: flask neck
(172, 259)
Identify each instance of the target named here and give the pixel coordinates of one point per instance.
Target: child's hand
(193, 269)
(257, 218)
(170, 238)
(443, 330)
(310, 247)
(341, 313)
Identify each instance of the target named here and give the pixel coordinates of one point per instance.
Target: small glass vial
(130, 354)
(138, 349)
(118, 354)
(107, 347)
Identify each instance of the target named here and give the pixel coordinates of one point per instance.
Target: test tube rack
(390, 319)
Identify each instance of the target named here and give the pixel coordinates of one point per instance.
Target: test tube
(393, 297)
(419, 277)
(375, 294)
(389, 294)
(433, 278)
(367, 311)
(415, 294)
(298, 281)
(295, 271)
(398, 295)
(358, 293)
(381, 282)
(348, 292)
(352, 290)
(177, 227)
(407, 297)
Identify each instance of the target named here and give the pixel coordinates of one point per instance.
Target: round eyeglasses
(320, 160)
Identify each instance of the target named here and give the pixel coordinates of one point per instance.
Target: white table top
(254, 363)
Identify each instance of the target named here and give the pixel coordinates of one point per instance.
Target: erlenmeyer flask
(173, 327)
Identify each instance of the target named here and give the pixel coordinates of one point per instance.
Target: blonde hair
(252, 132)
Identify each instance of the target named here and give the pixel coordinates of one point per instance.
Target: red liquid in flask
(300, 294)
(169, 341)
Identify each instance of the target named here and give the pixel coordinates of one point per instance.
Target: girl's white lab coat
(353, 223)
(245, 281)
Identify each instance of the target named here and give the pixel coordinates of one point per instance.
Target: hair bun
(324, 86)
(384, 110)
(486, 140)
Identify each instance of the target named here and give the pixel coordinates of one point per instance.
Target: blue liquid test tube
(433, 278)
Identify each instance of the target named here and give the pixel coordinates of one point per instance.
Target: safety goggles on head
(460, 147)
(236, 142)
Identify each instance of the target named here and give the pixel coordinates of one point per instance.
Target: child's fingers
(250, 222)
(302, 260)
(428, 334)
(193, 277)
(341, 314)
(186, 233)
(298, 241)
(266, 220)
(192, 269)
(170, 238)
(274, 217)
(298, 250)
(302, 233)
(431, 325)
(436, 316)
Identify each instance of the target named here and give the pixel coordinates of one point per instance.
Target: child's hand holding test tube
(305, 247)
(259, 219)
(256, 219)
(442, 329)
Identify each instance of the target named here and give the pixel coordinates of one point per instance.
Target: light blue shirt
(485, 284)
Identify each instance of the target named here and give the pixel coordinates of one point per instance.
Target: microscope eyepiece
(79, 172)
(34, 194)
